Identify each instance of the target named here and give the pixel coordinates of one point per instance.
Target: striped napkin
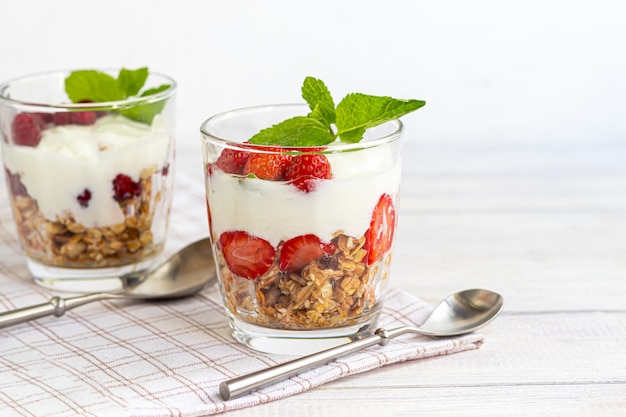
(116, 358)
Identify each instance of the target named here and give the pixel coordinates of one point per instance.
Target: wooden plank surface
(543, 225)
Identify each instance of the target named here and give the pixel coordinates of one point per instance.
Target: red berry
(304, 171)
(232, 161)
(379, 236)
(46, 117)
(84, 117)
(124, 187)
(15, 184)
(268, 166)
(210, 219)
(298, 252)
(165, 170)
(62, 118)
(245, 255)
(26, 129)
(84, 197)
(99, 113)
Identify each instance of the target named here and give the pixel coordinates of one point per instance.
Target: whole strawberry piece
(232, 161)
(379, 236)
(268, 166)
(26, 128)
(245, 255)
(299, 251)
(124, 187)
(304, 171)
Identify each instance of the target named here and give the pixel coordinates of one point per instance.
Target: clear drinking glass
(90, 183)
(303, 261)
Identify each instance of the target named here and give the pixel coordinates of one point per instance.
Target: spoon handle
(247, 383)
(57, 306)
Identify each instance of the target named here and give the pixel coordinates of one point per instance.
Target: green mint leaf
(353, 136)
(145, 113)
(297, 131)
(90, 85)
(352, 117)
(358, 112)
(155, 90)
(321, 103)
(131, 81)
(99, 87)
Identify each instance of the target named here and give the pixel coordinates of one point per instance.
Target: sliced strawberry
(210, 219)
(298, 252)
(232, 161)
(268, 166)
(245, 255)
(304, 171)
(379, 236)
(26, 129)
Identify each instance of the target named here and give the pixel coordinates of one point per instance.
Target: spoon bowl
(182, 274)
(460, 313)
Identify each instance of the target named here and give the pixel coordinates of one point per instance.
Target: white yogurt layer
(278, 211)
(72, 158)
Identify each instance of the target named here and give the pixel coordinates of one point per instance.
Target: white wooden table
(543, 225)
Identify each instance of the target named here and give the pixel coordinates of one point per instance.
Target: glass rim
(333, 146)
(88, 105)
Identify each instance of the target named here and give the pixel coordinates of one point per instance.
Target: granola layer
(334, 291)
(64, 242)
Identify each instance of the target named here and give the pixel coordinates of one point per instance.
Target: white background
(521, 72)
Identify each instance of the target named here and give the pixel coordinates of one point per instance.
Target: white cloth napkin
(116, 358)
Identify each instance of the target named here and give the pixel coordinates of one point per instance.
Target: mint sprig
(297, 131)
(326, 123)
(98, 87)
(91, 85)
(130, 82)
(320, 101)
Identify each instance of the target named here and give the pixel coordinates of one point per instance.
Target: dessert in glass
(88, 161)
(302, 235)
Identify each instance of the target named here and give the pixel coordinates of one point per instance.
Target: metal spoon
(459, 313)
(184, 273)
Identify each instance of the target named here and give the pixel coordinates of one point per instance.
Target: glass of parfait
(88, 160)
(302, 235)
